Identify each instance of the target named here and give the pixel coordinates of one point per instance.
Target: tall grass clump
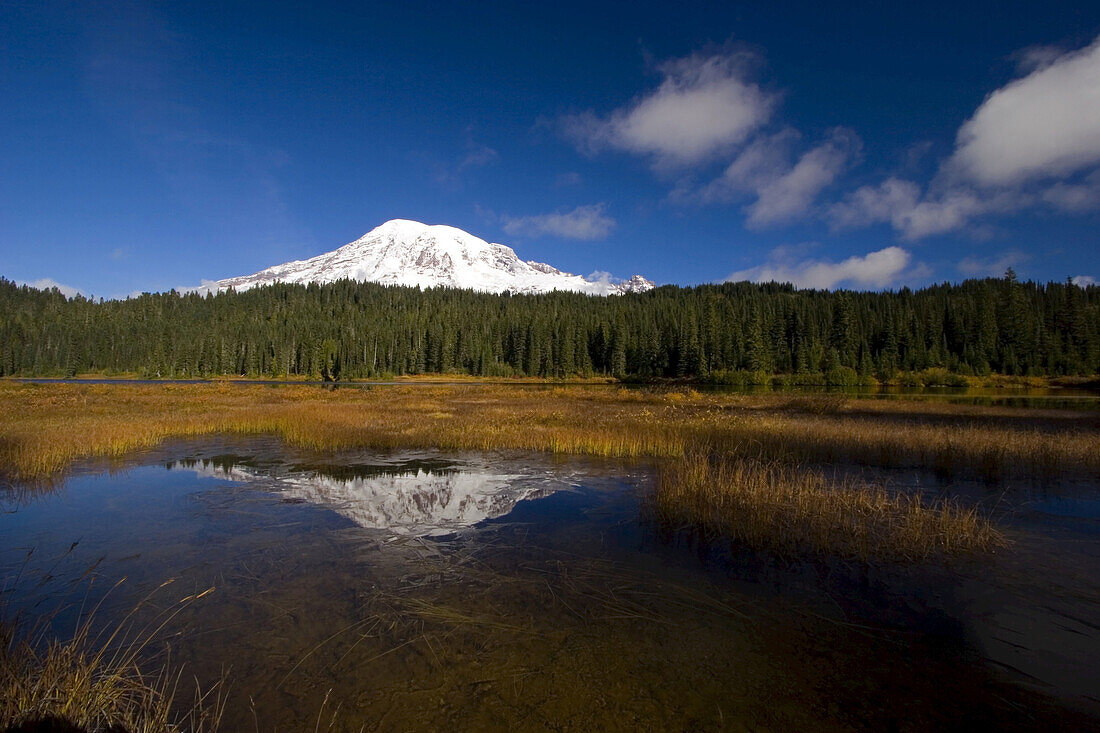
(94, 681)
(793, 511)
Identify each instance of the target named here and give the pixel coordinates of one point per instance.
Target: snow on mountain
(402, 252)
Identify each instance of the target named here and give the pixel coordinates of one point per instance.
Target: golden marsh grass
(45, 428)
(793, 511)
(737, 468)
(750, 483)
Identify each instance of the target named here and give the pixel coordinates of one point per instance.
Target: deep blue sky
(145, 146)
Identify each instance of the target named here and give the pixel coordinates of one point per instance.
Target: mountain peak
(406, 252)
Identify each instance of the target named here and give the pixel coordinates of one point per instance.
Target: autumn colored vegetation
(762, 472)
(715, 448)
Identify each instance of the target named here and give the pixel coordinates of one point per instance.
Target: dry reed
(44, 428)
(793, 511)
(94, 681)
(733, 472)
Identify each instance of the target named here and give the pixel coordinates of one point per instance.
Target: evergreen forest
(350, 330)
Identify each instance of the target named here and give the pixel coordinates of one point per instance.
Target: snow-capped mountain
(402, 252)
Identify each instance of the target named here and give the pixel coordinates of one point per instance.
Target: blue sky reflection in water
(564, 605)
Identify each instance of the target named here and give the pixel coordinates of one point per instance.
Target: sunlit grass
(737, 469)
(794, 511)
(45, 428)
(752, 483)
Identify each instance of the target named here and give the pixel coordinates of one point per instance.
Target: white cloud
(603, 277)
(1035, 58)
(950, 211)
(583, 222)
(914, 214)
(761, 162)
(872, 204)
(46, 283)
(1072, 197)
(1046, 124)
(205, 286)
(792, 193)
(994, 266)
(1077, 197)
(1084, 280)
(705, 105)
(477, 155)
(782, 191)
(706, 109)
(878, 269)
(1033, 142)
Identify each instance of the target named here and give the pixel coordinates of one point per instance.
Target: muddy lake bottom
(427, 591)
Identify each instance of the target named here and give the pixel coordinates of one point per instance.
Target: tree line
(350, 330)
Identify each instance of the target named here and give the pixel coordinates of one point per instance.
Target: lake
(510, 591)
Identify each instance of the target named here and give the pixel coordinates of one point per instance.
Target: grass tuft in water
(794, 511)
(94, 681)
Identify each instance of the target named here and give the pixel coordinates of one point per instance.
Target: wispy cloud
(879, 269)
(791, 193)
(757, 165)
(914, 215)
(474, 154)
(992, 266)
(706, 104)
(1077, 197)
(603, 277)
(1033, 142)
(782, 191)
(477, 155)
(709, 109)
(1035, 58)
(569, 178)
(583, 222)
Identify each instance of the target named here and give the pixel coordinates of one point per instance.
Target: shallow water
(425, 590)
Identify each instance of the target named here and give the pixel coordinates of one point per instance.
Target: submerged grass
(794, 511)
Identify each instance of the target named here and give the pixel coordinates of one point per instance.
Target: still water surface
(425, 590)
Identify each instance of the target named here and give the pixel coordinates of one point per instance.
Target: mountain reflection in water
(403, 500)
